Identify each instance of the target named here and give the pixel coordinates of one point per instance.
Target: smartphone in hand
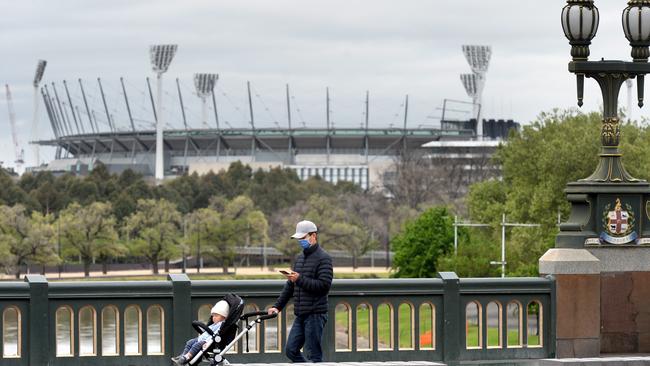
(286, 273)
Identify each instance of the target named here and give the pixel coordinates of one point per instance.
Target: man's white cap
(222, 308)
(303, 228)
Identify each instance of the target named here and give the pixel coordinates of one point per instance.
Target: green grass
(384, 330)
(384, 324)
(493, 337)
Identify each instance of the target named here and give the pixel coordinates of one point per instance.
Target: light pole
(161, 57)
(204, 84)
(610, 191)
(505, 224)
(478, 58)
(463, 224)
(38, 76)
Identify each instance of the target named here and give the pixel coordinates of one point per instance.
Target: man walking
(308, 283)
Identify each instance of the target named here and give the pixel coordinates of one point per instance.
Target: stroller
(217, 346)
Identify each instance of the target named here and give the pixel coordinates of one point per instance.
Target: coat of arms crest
(618, 224)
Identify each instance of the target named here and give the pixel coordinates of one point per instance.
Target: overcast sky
(391, 48)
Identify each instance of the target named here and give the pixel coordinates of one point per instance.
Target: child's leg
(196, 347)
(189, 345)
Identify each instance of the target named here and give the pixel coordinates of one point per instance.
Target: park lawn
(384, 325)
(383, 329)
(493, 338)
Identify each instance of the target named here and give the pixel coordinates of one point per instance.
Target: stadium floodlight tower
(470, 82)
(161, 57)
(478, 58)
(38, 76)
(204, 84)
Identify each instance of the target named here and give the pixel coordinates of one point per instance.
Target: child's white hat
(222, 308)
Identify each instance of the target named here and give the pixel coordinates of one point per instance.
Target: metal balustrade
(145, 322)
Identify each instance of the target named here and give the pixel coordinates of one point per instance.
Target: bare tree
(442, 178)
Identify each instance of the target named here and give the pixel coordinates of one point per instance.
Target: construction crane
(20, 153)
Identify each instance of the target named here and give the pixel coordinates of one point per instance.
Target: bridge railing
(146, 322)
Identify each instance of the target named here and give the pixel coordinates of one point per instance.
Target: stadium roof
(242, 139)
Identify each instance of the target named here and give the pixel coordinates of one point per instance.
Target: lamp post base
(606, 215)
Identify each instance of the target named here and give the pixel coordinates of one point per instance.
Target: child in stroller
(220, 333)
(218, 314)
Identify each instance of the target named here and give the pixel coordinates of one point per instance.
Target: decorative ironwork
(611, 132)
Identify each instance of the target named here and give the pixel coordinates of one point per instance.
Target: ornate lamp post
(610, 207)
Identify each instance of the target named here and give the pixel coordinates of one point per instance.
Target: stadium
(120, 128)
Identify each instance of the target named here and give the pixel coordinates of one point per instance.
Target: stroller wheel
(219, 361)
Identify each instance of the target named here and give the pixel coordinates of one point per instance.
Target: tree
(236, 179)
(182, 192)
(558, 148)
(475, 252)
(41, 240)
(364, 224)
(219, 229)
(12, 193)
(89, 233)
(202, 225)
(344, 222)
(155, 230)
(25, 240)
(105, 182)
(276, 189)
(422, 243)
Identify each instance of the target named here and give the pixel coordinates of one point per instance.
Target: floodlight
(478, 57)
(470, 83)
(40, 69)
(161, 56)
(205, 83)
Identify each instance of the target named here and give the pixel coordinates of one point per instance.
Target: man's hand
(273, 311)
(293, 276)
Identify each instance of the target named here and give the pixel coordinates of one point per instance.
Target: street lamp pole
(610, 189)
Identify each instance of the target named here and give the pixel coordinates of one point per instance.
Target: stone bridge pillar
(577, 297)
(602, 300)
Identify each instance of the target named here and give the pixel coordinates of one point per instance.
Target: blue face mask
(304, 243)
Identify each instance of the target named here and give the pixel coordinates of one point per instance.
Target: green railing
(145, 322)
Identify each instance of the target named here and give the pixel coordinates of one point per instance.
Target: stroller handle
(254, 313)
(268, 316)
